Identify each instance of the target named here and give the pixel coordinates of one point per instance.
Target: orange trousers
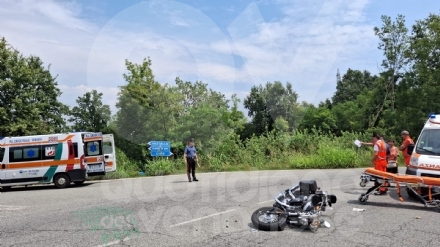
(407, 159)
(381, 166)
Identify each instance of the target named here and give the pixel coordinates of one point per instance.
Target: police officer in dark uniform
(190, 159)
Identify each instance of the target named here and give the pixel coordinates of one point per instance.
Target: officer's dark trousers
(191, 168)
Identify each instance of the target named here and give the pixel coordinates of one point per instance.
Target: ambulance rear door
(2, 163)
(109, 151)
(94, 157)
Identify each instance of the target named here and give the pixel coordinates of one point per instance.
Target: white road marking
(204, 217)
(114, 242)
(6, 207)
(265, 202)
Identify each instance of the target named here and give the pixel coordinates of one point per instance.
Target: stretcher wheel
(363, 199)
(362, 183)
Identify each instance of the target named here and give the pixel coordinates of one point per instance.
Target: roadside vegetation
(278, 133)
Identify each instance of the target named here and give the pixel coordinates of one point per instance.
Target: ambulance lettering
(53, 139)
(26, 140)
(432, 166)
(93, 135)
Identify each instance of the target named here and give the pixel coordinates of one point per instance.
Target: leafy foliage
(90, 114)
(28, 95)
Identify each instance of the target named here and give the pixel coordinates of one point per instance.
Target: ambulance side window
(2, 154)
(75, 149)
(27, 153)
(107, 148)
(93, 148)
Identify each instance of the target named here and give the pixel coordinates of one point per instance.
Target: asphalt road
(216, 211)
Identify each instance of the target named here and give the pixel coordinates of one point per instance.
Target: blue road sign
(159, 143)
(156, 148)
(161, 153)
(160, 148)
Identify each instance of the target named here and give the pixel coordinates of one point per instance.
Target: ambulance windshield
(429, 142)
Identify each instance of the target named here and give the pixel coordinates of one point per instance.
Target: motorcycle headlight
(414, 161)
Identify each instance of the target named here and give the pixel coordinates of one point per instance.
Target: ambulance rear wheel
(61, 181)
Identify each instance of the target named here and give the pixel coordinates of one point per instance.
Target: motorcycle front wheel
(268, 222)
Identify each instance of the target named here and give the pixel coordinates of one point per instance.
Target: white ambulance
(425, 158)
(55, 158)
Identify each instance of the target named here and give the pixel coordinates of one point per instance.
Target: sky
(231, 45)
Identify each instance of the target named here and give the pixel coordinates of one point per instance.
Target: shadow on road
(291, 227)
(177, 182)
(40, 187)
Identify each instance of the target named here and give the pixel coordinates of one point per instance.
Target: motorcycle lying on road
(302, 205)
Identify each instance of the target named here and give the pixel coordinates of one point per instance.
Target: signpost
(160, 148)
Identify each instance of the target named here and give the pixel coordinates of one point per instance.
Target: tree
(281, 125)
(198, 93)
(235, 118)
(90, 114)
(262, 121)
(134, 99)
(352, 84)
(321, 118)
(265, 104)
(28, 95)
(393, 37)
(418, 91)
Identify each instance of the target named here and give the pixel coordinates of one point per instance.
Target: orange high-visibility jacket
(382, 153)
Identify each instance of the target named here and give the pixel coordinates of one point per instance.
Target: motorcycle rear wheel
(268, 222)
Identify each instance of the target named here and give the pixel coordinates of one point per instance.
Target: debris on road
(358, 209)
(417, 217)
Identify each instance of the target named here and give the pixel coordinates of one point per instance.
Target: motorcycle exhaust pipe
(278, 201)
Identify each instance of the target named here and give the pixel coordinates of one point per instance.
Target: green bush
(160, 167)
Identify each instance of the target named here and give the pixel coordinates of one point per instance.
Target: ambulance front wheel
(61, 181)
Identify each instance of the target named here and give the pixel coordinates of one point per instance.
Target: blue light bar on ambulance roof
(432, 116)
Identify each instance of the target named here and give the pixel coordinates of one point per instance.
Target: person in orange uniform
(404, 147)
(392, 158)
(380, 154)
(380, 161)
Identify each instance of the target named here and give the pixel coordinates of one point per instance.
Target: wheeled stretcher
(414, 186)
